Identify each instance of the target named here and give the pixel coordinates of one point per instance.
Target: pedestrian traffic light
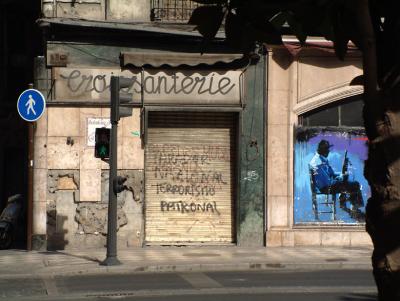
(121, 106)
(118, 184)
(102, 143)
(120, 100)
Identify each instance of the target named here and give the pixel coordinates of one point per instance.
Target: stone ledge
(317, 237)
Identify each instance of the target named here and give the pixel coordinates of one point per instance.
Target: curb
(169, 268)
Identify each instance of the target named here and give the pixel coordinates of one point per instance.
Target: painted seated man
(327, 181)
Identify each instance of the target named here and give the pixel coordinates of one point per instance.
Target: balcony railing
(172, 10)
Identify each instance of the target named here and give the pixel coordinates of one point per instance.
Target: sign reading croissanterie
(183, 86)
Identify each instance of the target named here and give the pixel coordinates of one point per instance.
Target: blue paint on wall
(305, 148)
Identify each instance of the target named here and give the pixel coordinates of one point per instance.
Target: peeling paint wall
(62, 198)
(77, 182)
(72, 223)
(138, 10)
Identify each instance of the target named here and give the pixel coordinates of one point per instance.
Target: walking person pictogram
(30, 103)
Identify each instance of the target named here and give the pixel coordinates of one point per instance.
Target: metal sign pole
(29, 209)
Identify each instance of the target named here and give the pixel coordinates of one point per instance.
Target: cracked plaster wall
(74, 224)
(77, 182)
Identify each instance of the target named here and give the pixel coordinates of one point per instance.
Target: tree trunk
(382, 169)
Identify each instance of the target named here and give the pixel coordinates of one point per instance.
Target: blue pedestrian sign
(31, 105)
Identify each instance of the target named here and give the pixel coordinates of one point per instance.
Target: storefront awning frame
(176, 59)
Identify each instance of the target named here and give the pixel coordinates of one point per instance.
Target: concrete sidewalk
(17, 263)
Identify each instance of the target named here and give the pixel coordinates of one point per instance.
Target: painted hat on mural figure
(323, 146)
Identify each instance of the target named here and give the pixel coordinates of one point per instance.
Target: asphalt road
(274, 285)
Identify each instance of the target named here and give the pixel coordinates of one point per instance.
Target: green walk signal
(102, 143)
(103, 151)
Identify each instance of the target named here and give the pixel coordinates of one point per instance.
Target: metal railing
(172, 10)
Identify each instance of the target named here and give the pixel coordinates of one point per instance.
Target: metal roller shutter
(190, 177)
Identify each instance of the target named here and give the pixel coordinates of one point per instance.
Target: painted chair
(328, 200)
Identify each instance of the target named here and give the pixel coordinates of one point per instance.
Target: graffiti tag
(251, 176)
(184, 207)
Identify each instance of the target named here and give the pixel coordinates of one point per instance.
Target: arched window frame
(335, 98)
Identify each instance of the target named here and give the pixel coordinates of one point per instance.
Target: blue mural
(329, 185)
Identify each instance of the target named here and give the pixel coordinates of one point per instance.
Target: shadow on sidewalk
(88, 258)
(360, 297)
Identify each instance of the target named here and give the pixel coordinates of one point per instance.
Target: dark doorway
(20, 42)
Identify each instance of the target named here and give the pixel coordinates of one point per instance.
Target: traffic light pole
(111, 258)
(115, 182)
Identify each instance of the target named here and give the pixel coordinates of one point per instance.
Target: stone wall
(77, 182)
(62, 199)
(75, 224)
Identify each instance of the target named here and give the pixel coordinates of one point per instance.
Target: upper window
(344, 113)
(172, 10)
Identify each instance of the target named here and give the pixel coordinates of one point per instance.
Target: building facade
(219, 145)
(192, 151)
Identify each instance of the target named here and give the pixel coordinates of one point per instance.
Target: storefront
(192, 150)
(190, 176)
(314, 120)
(190, 139)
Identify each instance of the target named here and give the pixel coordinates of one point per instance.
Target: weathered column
(251, 206)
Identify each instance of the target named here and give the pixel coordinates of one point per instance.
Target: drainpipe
(265, 129)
